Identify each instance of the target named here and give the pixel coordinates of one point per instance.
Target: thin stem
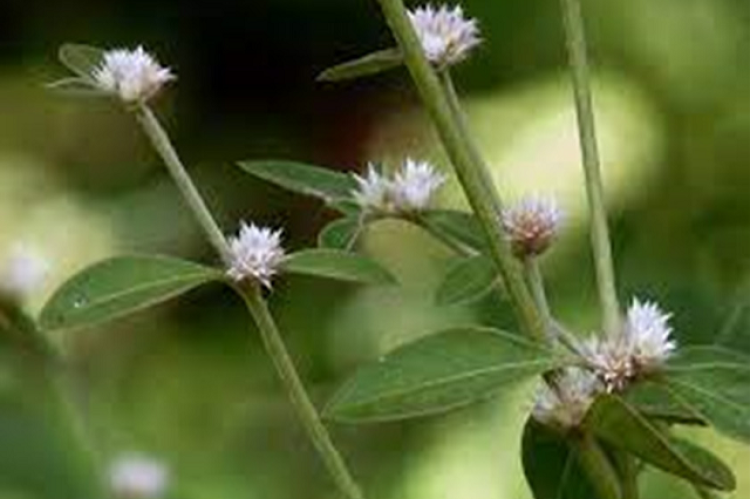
(629, 477)
(297, 393)
(162, 144)
(579, 67)
(446, 240)
(535, 281)
(253, 297)
(471, 170)
(598, 467)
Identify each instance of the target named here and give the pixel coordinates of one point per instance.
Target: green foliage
(551, 466)
(119, 286)
(335, 264)
(456, 225)
(656, 401)
(81, 59)
(437, 373)
(342, 233)
(371, 64)
(328, 185)
(715, 382)
(467, 280)
(614, 421)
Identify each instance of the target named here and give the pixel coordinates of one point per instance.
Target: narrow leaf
(371, 64)
(328, 185)
(550, 464)
(656, 401)
(457, 225)
(617, 423)
(120, 286)
(341, 265)
(467, 280)
(81, 59)
(715, 382)
(341, 234)
(78, 87)
(438, 373)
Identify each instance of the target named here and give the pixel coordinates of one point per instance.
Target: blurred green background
(189, 382)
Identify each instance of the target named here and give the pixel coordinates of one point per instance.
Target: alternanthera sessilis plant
(607, 403)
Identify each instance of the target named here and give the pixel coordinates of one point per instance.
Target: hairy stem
(297, 393)
(253, 297)
(579, 67)
(473, 174)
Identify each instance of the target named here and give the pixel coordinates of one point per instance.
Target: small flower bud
(566, 404)
(532, 224)
(134, 476)
(132, 75)
(256, 253)
(642, 347)
(23, 272)
(446, 35)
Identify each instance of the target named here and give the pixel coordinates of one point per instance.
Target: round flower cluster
(532, 224)
(132, 75)
(255, 253)
(446, 35)
(565, 404)
(134, 476)
(409, 189)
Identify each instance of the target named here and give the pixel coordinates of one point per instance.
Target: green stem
(536, 285)
(598, 467)
(629, 477)
(296, 390)
(446, 240)
(472, 173)
(578, 60)
(253, 297)
(162, 144)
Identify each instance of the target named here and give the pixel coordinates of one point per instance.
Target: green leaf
(328, 185)
(614, 421)
(467, 280)
(83, 60)
(341, 234)
(735, 332)
(551, 466)
(120, 286)
(714, 382)
(656, 401)
(341, 265)
(371, 64)
(457, 225)
(78, 87)
(438, 373)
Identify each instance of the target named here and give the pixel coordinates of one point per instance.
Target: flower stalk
(470, 168)
(253, 297)
(579, 66)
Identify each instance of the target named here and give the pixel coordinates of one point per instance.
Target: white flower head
(566, 404)
(373, 190)
(409, 189)
(133, 75)
(256, 253)
(135, 476)
(642, 347)
(532, 224)
(22, 273)
(446, 35)
(415, 184)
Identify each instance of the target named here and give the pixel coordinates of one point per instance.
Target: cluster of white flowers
(23, 272)
(135, 476)
(643, 346)
(410, 189)
(256, 253)
(446, 35)
(532, 224)
(132, 75)
(566, 404)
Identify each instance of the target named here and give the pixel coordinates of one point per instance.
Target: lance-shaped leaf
(456, 225)
(120, 286)
(654, 400)
(83, 60)
(342, 233)
(715, 382)
(371, 64)
(322, 183)
(440, 372)
(467, 280)
(340, 265)
(614, 421)
(77, 87)
(552, 469)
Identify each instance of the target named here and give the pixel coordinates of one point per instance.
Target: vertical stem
(536, 284)
(253, 297)
(162, 144)
(579, 67)
(472, 173)
(296, 390)
(629, 470)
